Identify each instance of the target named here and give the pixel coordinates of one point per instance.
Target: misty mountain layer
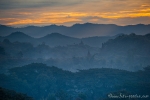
(78, 30)
(129, 52)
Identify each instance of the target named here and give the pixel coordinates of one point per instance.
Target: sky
(69, 12)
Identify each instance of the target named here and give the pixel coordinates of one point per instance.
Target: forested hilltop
(44, 82)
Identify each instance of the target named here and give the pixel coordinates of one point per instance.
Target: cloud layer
(68, 12)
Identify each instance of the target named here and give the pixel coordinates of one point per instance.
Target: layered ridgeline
(56, 39)
(129, 52)
(78, 30)
(44, 82)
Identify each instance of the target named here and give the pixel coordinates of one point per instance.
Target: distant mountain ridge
(78, 30)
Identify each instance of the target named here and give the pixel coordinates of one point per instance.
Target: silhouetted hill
(56, 39)
(78, 30)
(55, 35)
(122, 44)
(20, 37)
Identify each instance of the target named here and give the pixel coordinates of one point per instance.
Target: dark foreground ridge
(6, 94)
(51, 83)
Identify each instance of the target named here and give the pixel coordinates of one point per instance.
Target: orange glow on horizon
(58, 17)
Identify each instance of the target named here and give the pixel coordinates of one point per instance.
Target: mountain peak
(55, 35)
(18, 34)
